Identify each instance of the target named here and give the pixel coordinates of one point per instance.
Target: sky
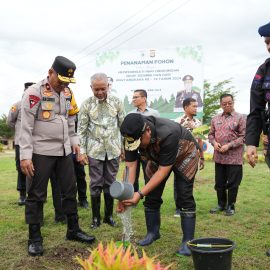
(33, 33)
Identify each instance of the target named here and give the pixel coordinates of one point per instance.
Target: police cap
(132, 129)
(187, 77)
(65, 69)
(264, 30)
(27, 84)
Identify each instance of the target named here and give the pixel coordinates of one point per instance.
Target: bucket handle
(126, 174)
(208, 245)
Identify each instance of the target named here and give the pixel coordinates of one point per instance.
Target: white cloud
(33, 33)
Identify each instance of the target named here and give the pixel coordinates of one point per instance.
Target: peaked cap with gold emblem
(65, 69)
(132, 129)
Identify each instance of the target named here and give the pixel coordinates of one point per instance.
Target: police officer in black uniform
(259, 99)
(47, 141)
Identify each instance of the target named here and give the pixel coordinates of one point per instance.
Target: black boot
(222, 202)
(95, 201)
(268, 253)
(152, 219)
(35, 247)
(188, 221)
(74, 232)
(22, 198)
(83, 203)
(108, 210)
(60, 218)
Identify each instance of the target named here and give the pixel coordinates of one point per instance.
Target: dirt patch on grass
(58, 258)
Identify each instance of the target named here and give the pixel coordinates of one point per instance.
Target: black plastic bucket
(212, 253)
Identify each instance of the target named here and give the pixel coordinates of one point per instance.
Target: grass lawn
(249, 228)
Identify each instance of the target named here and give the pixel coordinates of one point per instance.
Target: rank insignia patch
(33, 100)
(13, 109)
(46, 114)
(67, 92)
(47, 93)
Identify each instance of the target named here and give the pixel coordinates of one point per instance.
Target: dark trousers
(146, 179)
(56, 194)
(228, 177)
(21, 178)
(80, 179)
(45, 166)
(102, 173)
(184, 189)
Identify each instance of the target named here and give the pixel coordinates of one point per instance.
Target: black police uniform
(259, 98)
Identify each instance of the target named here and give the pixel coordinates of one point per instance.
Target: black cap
(187, 77)
(132, 129)
(264, 30)
(27, 84)
(65, 69)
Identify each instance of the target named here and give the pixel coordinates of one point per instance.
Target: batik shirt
(99, 127)
(228, 129)
(188, 123)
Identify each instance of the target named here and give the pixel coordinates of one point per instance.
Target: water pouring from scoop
(122, 190)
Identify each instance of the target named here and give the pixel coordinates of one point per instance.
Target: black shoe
(60, 219)
(268, 253)
(21, 200)
(35, 248)
(80, 236)
(230, 210)
(84, 204)
(177, 213)
(217, 209)
(109, 220)
(95, 223)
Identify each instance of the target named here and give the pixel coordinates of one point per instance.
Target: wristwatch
(141, 194)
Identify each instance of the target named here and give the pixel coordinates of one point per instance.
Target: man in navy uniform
(47, 141)
(259, 101)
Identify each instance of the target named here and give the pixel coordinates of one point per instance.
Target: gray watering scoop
(122, 190)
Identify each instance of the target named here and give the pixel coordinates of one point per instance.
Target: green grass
(249, 228)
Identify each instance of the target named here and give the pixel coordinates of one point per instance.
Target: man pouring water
(168, 147)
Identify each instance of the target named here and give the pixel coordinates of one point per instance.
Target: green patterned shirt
(99, 127)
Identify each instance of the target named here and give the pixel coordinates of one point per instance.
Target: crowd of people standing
(54, 139)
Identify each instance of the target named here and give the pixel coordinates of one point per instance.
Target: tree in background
(5, 131)
(211, 103)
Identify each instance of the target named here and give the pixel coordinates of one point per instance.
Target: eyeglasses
(135, 97)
